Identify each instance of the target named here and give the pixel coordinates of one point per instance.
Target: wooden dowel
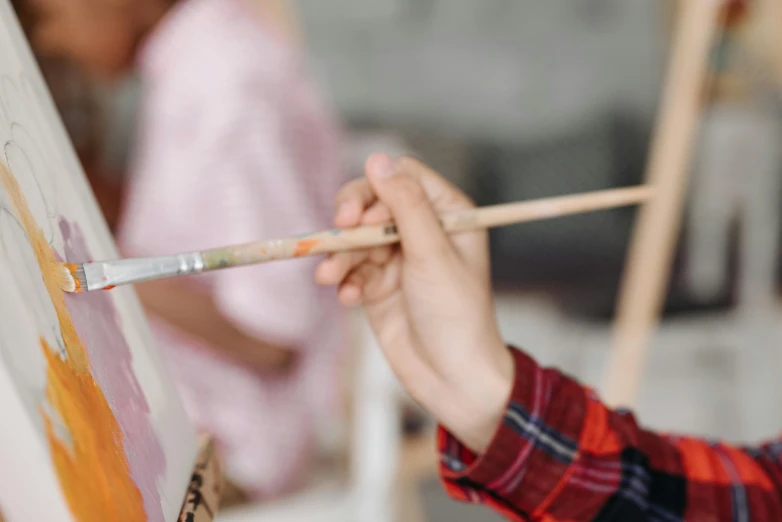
(654, 239)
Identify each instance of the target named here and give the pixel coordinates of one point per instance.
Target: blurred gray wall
(499, 70)
(496, 71)
(511, 99)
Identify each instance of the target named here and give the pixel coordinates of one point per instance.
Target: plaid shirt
(560, 455)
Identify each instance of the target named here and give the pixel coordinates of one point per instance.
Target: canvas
(91, 426)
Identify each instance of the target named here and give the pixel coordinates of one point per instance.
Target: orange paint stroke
(305, 246)
(73, 268)
(92, 466)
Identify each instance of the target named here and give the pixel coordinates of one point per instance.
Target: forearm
(559, 452)
(195, 313)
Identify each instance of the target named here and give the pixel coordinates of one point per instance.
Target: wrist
(476, 405)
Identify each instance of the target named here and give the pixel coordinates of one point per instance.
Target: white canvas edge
(23, 456)
(177, 473)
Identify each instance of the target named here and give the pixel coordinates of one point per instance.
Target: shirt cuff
(532, 450)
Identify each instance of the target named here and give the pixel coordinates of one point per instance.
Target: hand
(429, 300)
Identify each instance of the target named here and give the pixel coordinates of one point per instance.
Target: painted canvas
(91, 427)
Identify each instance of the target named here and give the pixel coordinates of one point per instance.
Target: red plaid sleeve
(560, 455)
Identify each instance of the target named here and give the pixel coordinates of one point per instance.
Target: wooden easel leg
(203, 495)
(654, 239)
(378, 435)
(769, 12)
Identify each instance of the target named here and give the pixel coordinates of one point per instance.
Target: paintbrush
(104, 275)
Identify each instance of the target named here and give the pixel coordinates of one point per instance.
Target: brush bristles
(72, 278)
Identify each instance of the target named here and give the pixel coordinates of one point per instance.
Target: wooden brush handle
(474, 219)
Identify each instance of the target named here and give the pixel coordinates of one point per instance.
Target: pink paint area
(99, 327)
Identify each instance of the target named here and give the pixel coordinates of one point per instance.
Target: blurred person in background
(234, 145)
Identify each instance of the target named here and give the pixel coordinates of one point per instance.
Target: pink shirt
(235, 146)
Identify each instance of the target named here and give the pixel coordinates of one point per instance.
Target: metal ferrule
(138, 270)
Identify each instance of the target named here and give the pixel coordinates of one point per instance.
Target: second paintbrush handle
(473, 219)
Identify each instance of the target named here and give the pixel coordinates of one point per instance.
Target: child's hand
(428, 301)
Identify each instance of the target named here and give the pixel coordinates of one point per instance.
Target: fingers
(357, 202)
(350, 293)
(405, 191)
(356, 286)
(398, 186)
(369, 283)
(336, 267)
(352, 199)
(377, 214)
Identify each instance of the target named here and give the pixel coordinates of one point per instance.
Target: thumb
(423, 238)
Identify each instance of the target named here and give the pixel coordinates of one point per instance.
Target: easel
(653, 243)
(654, 239)
(203, 494)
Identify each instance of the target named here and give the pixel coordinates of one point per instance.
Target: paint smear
(93, 470)
(305, 246)
(100, 327)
